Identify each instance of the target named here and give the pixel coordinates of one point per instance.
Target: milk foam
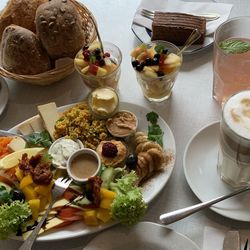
(236, 114)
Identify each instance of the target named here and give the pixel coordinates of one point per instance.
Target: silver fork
(61, 184)
(208, 16)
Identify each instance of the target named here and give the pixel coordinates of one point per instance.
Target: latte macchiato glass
(234, 146)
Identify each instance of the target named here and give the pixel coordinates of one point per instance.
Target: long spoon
(194, 36)
(179, 214)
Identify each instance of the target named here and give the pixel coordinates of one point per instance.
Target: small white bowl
(83, 164)
(59, 154)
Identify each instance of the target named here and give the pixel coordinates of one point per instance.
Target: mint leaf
(234, 46)
(159, 48)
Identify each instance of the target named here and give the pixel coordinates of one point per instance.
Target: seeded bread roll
(19, 12)
(22, 53)
(58, 26)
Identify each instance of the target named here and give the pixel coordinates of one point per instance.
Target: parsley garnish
(155, 132)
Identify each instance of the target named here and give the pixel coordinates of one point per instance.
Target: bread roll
(22, 53)
(58, 27)
(19, 12)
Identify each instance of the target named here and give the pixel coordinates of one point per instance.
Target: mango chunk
(35, 208)
(90, 218)
(29, 193)
(103, 214)
(27, 180)
(19, 173)
(107, 194)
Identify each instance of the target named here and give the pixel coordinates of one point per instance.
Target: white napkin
(184, 7)
(213, 238)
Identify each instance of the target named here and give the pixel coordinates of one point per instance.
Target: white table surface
(190, 108)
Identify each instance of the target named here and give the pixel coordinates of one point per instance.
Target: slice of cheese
(48, 113)
(37, 124)
(25, 129)
(17, 143)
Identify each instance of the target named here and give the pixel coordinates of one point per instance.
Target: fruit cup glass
(156, 74)
(93, 73)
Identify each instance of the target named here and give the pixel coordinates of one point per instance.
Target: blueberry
(98, 57)
(131, 161)
(160, 73)
(165, 51)
(101, 62)
(148, 61)
(17, 195)
(157, 56)
(139, 67)
(135, 63)
(97, 51)
(155, 61)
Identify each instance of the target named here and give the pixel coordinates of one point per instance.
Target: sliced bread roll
(22, 53)
(59, 28)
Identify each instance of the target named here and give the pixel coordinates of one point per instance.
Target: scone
(22, 53)
(21, 13)
(59, 28)
(112, 153)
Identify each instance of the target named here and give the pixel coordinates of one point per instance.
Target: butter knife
(232, 240)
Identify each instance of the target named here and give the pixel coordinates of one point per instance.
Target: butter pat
(103, 102)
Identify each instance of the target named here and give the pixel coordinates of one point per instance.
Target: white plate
(143, 236)
(200, 168)
(144, 36)
(150, 190)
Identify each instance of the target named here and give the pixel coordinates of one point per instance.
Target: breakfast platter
(150, 188)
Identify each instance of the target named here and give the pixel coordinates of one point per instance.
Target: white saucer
(143, 236)
(200, 168)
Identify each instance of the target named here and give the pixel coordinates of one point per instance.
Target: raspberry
(109, 149)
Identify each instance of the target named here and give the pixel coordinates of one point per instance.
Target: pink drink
(231, 72)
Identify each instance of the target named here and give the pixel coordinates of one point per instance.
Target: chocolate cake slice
(176, 27)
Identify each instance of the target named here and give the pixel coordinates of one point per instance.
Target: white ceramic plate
(144, 36)
(150, 190)
(200, 168)
(143, 236)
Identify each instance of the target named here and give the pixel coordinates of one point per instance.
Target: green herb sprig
(155, 132)
(39, 140)
(233, 46)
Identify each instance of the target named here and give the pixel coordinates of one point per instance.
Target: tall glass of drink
(231, 63)
(234, 147)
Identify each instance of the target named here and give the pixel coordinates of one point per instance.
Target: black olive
(131, 161)
(17, 195)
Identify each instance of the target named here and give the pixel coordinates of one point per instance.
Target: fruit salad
(156, 65)
(99, 68)
(155, 61)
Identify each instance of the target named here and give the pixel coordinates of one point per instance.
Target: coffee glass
(234, 144)
(231, 67)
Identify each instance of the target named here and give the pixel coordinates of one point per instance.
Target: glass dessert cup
(158, 87)
(94, 80)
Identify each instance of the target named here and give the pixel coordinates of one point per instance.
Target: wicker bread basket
(65, 69)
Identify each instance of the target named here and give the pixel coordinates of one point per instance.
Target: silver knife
(232, 240)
